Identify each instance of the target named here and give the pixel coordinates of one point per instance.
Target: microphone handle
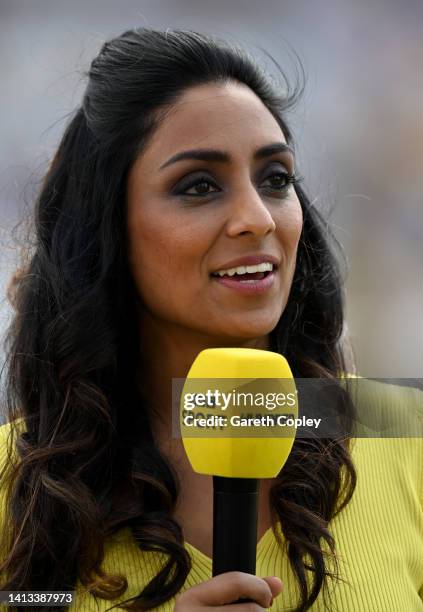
(235, 509)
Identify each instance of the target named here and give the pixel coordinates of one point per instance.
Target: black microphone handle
(235, 509)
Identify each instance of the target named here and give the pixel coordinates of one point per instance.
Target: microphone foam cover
(239, 457)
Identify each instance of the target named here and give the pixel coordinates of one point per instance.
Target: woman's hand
(227, 588)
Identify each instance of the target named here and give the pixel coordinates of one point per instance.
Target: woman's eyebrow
(222, 156)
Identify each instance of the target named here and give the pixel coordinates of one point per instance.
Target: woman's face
(191, 218)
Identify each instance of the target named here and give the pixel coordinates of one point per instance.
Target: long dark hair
(71, 348)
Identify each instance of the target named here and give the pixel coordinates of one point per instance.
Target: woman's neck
(167, 353)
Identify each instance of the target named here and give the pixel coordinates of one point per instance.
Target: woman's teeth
(263, 267)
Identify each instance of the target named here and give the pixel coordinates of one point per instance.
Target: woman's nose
(249, 214)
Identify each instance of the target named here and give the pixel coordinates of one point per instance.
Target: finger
(245, 607)
(275, 584)
(231, 586)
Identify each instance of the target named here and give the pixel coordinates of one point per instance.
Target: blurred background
(359, 130)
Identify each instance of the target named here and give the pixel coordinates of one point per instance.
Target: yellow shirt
(378, 535)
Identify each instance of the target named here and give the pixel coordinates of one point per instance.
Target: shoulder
(384, 409)
(5, 434)
(8, 432)
(389, 438)
(8, 454)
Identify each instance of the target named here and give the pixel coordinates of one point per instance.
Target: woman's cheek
(289, 228)
(294, 219)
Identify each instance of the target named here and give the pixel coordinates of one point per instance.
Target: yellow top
(378, 535)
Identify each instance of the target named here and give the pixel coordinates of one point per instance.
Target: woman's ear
(13, 286)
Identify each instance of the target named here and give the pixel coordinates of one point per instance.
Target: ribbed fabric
(378, 535)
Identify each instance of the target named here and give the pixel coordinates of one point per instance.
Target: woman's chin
(251, 330)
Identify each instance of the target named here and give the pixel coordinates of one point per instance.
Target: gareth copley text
(259, 420)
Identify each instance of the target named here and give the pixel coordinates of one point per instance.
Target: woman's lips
(247, 287)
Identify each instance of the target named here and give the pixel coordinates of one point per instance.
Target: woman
(179, 165)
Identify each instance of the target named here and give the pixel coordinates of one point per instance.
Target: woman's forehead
(229, 117)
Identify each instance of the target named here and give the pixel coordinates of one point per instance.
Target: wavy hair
(71, 351)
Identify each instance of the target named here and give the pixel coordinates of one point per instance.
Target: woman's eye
(200, 185)
(281, 180)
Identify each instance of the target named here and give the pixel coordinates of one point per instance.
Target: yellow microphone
(232, 431)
